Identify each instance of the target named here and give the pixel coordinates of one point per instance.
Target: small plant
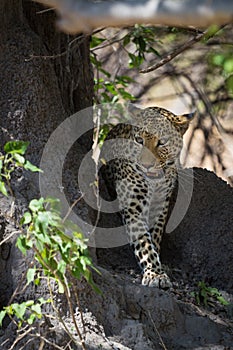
(27, 311)
(207, 295)
(11, 160)
(60, 250)
(58, 253)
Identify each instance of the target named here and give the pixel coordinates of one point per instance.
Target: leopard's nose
(147, 166)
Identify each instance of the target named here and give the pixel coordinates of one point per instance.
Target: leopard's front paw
(153, 279)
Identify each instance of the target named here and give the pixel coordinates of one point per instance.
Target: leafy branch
(59, 248)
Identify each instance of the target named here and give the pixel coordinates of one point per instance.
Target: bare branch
(83, 16)
(179, 50)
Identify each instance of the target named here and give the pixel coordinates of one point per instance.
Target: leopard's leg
(145, 250)
(158, 228)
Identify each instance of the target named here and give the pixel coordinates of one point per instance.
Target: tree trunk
(43, 80)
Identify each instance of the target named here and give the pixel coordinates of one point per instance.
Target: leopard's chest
(133, 186)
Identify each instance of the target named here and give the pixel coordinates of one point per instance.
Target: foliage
(194, 63)
(110, 87)
(143, 39)
(207, 295)
(224, 61)
(59, 248)
(59, 254)
(27, 311)
(11, 160)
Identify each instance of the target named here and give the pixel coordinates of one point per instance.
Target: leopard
(143, 159)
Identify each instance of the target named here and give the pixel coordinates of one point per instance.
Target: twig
(80, 309)
(205, 100)
(8, 237)
(45, 10)
(175, 53)
(45, 340)
(16, 291)
(160, 338)
(181, 49)
(71, 208)
(67, 294)
(79, 38)
(58, 314)
(20, 337)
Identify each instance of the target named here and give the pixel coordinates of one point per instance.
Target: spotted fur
(142, 169)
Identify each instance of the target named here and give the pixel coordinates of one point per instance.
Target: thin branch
(19, 286)
(160, 338)
(205, 100)
(71, 208)
(20, 337)
(9, 236)
(70, 48)
(45, 340)
(59, 314)
(179, 50)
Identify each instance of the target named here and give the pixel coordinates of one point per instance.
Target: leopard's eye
(139, 140)
(162, 142)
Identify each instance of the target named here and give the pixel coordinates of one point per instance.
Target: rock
(201, 248)
(129, 316)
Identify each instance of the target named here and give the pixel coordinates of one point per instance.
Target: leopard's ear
(185, 118)
(182, 121)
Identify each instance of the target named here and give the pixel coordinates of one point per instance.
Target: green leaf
(22, 244)
(228, 65)
(126, 95)
(26, 219)
(31, 319)
(111, 88)
(95, 41)
(36, 204)
(37, 309)
(142, 43)
(44, 301)
(29, 166)
(126, 40)
(151, 49)
(229, 83)
(19, 310)
(218, 59)
(135, 60)
(61, 267)
(2, 315)
(31, 275)
(61, 288)
(19, 147)
(212, 30)
(19, 159)
(3, 189)
(222, 300)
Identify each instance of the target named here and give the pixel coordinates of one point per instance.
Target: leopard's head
(158, 135)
